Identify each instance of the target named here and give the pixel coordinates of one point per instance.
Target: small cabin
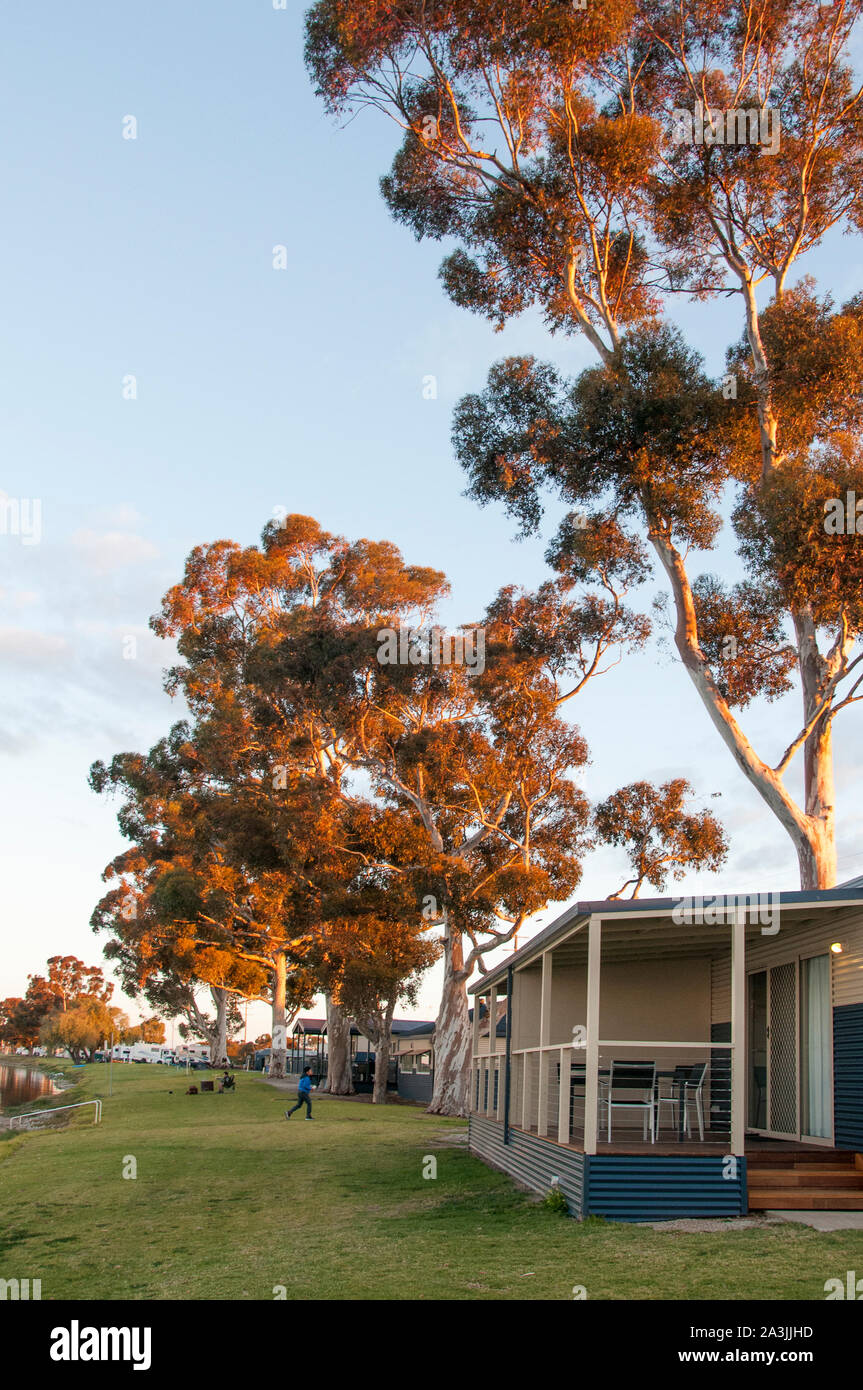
(680, 1057)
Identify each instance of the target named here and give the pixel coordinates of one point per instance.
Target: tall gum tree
(476, 810)
(231, 615)
(212, 887)
(539, 137)
(477, 817)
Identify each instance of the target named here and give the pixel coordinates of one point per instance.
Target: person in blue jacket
(304, 1095)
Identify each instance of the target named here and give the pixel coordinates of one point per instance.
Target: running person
(304, 1095)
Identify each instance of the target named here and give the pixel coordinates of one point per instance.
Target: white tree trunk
(220, 999)
(339, 1081)
(452, 1036)
(817, 853)
(278, 1054)
(812, 831)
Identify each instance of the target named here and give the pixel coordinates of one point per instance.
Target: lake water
(19, 1084)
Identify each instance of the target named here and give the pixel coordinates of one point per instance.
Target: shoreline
(48, 1066)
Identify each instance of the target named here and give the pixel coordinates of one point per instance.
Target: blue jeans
(303, 1098)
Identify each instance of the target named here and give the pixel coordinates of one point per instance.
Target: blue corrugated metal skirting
(635, 1187)
(848, 1076)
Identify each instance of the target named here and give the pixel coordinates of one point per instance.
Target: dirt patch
(703, 1225)
(448, 1139)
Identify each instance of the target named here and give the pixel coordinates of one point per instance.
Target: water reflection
(19, 1084)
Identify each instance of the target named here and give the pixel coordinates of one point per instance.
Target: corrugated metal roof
(852, 882)
(402, 1027)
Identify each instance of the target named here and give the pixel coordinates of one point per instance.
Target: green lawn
(231, 1201)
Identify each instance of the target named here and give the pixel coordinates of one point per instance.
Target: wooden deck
(667, 1144)
(756, 1147)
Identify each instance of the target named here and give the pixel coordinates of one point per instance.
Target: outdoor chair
(686, 1087)
(625, 1078)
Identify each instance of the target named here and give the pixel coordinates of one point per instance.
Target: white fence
(53, 1110)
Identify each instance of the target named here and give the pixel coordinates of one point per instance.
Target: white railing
(539, 1103)
(488, 1078)
(53, 1109)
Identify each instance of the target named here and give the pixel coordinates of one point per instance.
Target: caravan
(143, 1052)
(195, 1053)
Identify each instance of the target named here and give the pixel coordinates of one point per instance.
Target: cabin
(407, 1058)
(410, 1060)
(415, 1050)
(680, 1057)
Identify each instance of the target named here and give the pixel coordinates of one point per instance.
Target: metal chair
(687, 1087)
(631, 1076)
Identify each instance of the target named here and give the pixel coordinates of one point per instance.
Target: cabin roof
(402, 1027)
(581, 912)
(853, 882)
(409, 1027)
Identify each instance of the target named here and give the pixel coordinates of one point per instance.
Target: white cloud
(19, 598)
(33, 649)
(105, 551)
(120, 516)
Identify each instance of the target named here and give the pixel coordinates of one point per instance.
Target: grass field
(230, 1201)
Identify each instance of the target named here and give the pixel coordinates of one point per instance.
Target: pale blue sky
(256, 389)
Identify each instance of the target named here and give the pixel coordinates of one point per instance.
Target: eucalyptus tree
(663, 838)
(474, 815)
(329, 650)
(592, 162)
(234, 613)
(216, 889)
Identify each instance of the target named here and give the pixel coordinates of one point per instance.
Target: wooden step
(825, 1177)
(803, 1164)
(782, 1158)
(805, 1199)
